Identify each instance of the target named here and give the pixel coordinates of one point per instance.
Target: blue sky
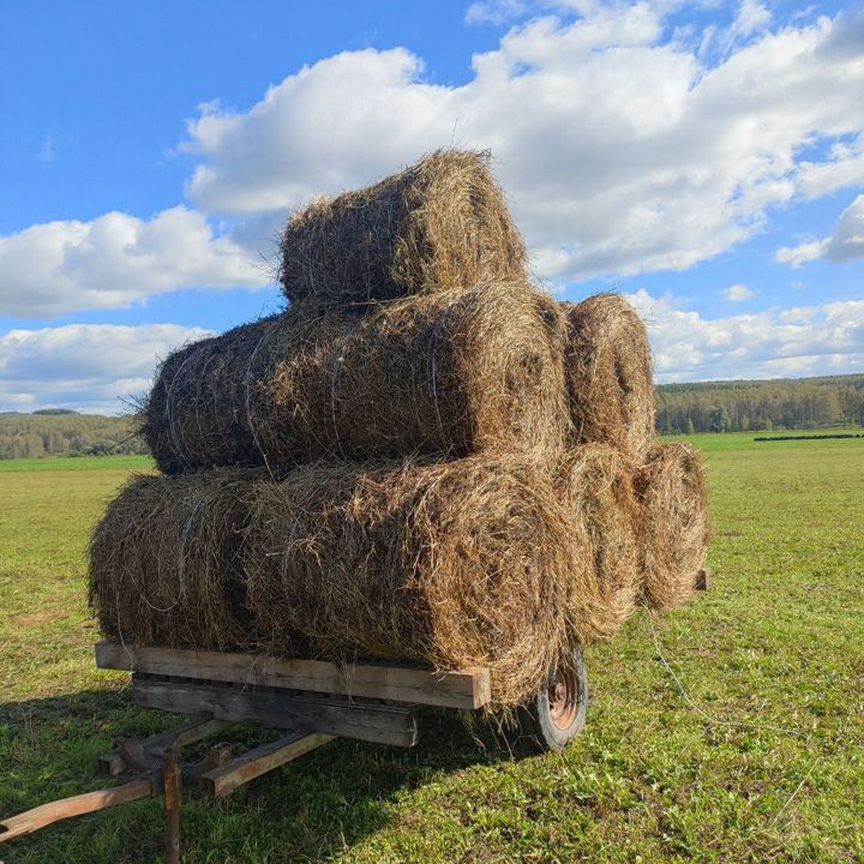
(707, 159)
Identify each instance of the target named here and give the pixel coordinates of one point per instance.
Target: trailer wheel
(558, 712)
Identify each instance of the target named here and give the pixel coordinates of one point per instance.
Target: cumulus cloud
(83, 366)
(795, 256)
(752, 17)
(622, 150)
(739, 293)
(776, 343)
(115, 260)
(845, 243)
(843, 167)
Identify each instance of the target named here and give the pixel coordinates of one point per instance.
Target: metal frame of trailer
(311, 701)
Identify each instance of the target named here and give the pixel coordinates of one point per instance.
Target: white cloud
(739, 293)
(298, 140)
(115, 260)
(83, 366)
(752, 17)
(845, 243)
(795, 256)
(844, 167)
(776, 343)
(621, 153)
(495, 11)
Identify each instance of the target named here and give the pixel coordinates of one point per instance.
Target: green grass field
(730, 731)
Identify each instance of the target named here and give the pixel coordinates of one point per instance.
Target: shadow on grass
(309, 810)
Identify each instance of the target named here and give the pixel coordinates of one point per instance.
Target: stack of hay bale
(423, 458)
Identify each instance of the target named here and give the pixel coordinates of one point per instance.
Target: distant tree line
(58, 432)
(723, 406)
(742, 406)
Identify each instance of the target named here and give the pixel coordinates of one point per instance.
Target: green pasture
(76, 463)
(729, 731)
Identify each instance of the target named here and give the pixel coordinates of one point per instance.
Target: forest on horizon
(759, 406)
(716, 406)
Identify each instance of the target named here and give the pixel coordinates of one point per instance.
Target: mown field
(730, 731)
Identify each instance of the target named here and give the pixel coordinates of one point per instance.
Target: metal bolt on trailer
(313, 701)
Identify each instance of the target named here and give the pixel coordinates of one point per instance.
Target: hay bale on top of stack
(390, 468)
(437, 226)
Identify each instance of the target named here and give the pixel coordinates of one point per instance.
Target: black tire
(559, 710)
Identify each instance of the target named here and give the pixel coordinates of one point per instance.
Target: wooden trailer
(312, 701)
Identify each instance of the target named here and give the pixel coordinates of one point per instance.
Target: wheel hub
(564, 698)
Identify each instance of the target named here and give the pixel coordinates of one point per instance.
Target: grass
(77, 463)
(747, 747)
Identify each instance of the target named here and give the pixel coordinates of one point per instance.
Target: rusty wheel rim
(564, 698)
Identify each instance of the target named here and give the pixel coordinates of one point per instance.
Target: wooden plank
(467, 689)
(77, 805)
(225, 779)
(366, 721)
(172, 800)
(113, 763)
(703, 580)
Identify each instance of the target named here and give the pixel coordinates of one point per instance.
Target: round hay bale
(447, 374)
(455, 564)
(436, 226)
(206, 398)
(609, 374)
(165, 562)
(597, 484)
(675, 525)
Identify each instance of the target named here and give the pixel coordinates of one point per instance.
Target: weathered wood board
(366, 721)
(466, 689)
(226, 778)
